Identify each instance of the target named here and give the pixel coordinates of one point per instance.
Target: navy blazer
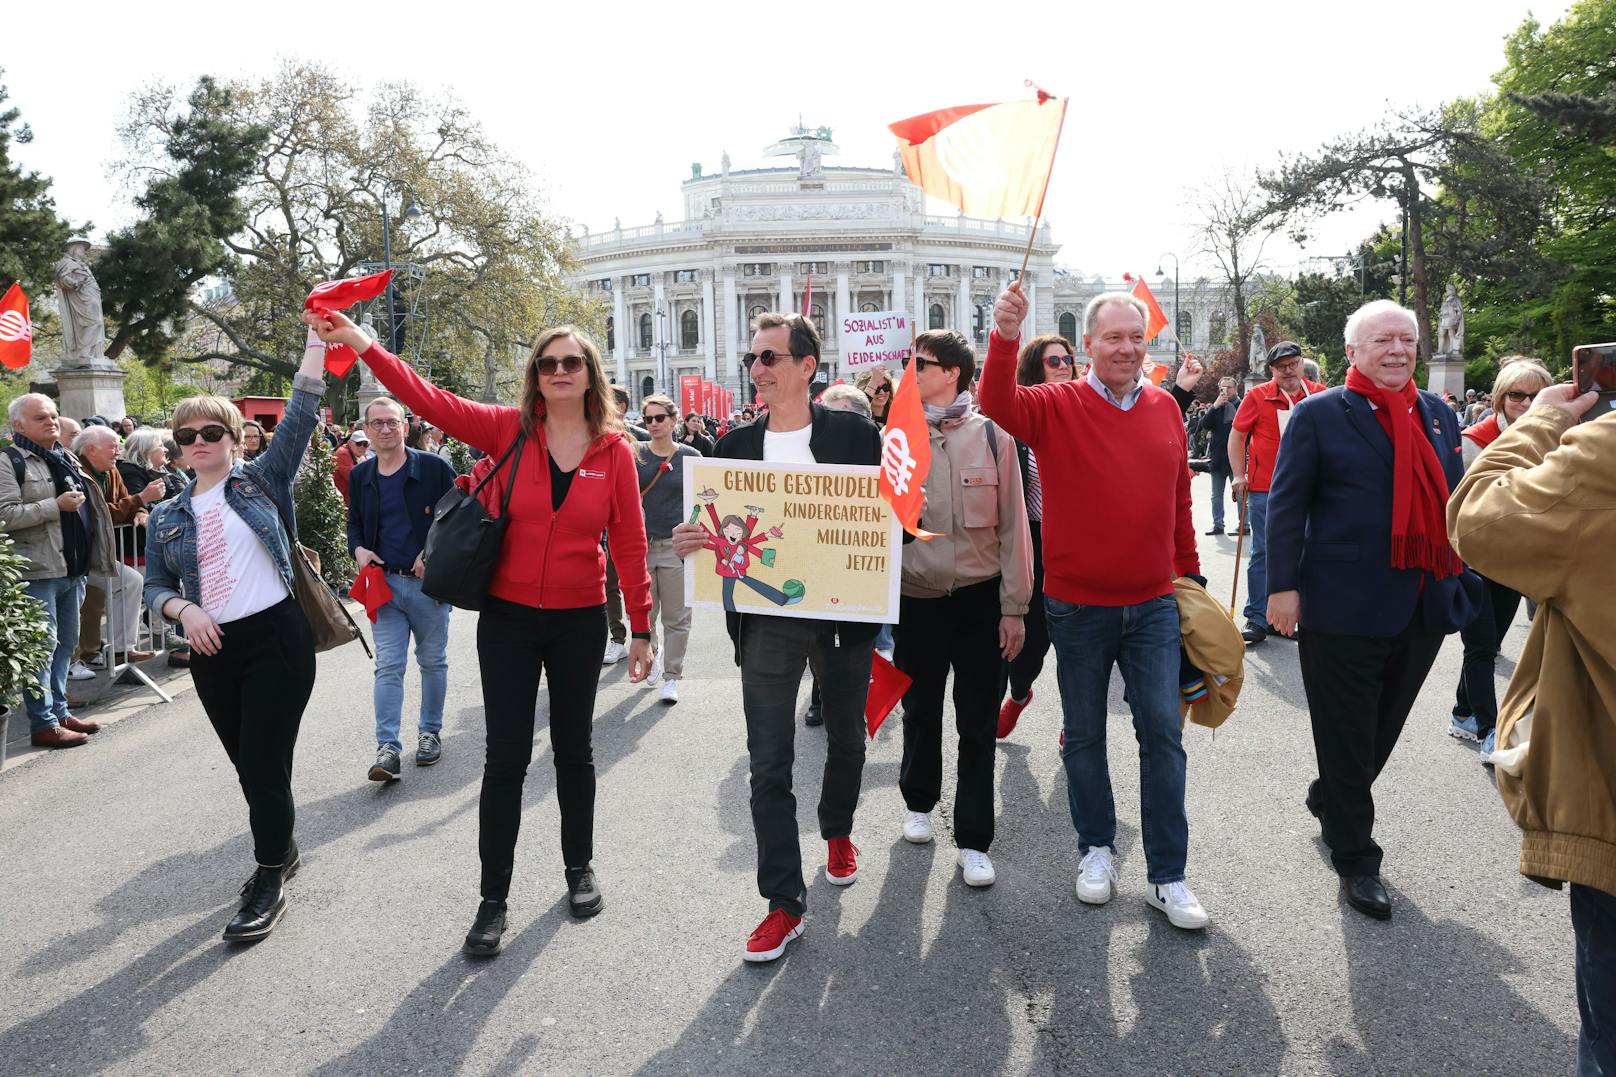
(427, 477)
(1330, 517)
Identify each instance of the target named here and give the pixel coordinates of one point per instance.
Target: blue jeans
(1220, 481)
(883, 638)
(410, 612)
(1257, 568)
(1143, 641)
(1593, 918)
(61, 598)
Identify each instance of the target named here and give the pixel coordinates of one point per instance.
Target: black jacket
(839, 437)
(1217, 424)
(427, 477)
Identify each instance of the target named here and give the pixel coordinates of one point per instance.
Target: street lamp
(1160, 273)
(410, 210)
(662, 348)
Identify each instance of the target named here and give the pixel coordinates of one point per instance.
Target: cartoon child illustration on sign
(734, 546)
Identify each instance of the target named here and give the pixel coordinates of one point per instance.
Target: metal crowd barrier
(151, 634)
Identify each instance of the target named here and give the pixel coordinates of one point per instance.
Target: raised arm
(1002, 400)
(279, 462)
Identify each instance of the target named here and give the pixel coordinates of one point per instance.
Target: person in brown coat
(97, 448)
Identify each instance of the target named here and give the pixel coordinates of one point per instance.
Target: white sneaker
(917, 827)
(1179, 903)
(615, 653)
(78, 671)
(655, 676)
(1096, 876)
(884, 652)
(978, 868)
(670, 691)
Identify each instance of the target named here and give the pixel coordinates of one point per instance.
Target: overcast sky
(610, 103)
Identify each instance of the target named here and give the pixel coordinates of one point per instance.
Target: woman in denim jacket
(219, 562)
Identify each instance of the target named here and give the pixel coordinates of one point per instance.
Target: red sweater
(550, 558)
(1120, 529)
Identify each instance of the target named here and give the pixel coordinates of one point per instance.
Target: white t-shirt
(788, 448)
(237, 576)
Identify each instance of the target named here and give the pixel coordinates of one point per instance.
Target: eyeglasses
(385, 424)
(649, 418)
(1288, 365)
(211, 433)
(568, 364)
(1515, 396)
(1055, 362)
(768, 357)
(920, 362)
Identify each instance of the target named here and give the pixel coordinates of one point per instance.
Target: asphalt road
(120, 862)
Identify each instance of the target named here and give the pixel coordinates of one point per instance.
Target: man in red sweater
(1115, 444)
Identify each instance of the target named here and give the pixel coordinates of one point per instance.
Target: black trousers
(774, 652)
(513, 643)
(254, 691)
(1477, 694)
(1359, 692)
(959, 632)
(1023, 670)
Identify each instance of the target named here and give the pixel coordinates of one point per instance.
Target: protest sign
(874, 338)
(792, 540)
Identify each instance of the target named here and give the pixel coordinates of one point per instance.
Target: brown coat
(1537, 512)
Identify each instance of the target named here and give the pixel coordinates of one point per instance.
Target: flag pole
(1039, 215)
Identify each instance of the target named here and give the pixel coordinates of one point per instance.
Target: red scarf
(1485, 432)
(1419, 486)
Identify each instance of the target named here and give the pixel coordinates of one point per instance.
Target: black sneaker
(428, 750)
(385, 769)
(1253, 634)
(583, 893)
(815, 715)
(486, 931)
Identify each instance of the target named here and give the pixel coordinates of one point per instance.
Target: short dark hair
(951, 349)
(804, 337)
(620, 394)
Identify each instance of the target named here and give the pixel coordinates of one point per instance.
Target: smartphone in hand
(1593, 366)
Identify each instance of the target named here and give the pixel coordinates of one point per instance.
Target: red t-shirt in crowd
(1258, 418)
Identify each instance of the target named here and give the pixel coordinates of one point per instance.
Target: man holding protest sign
(1115, 447)
(965, 594)
(772, 651)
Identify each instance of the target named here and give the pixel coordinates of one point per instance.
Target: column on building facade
(732, 340)
(897, 299)
(833, 323)
(620, 332)
(1030, 329)
(661, 325)
(708, 345)
(922, 316)
(962, 316)
(788, 299)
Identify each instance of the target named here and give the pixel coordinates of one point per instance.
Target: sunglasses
(1055, 362)
(1515, 396)
(211, 434)
(568, 364)
(884, 387)
(920, 362)
(657, 418)
(767, 357)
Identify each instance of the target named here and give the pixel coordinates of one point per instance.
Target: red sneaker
(1062, 740)
(1010, 714)
(769, 940)
(842, 868)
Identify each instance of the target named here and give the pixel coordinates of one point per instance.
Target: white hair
(846, 398)
(1374, 309)
(1091, 313)
(92, 434)
(139, 445)
(14, 412)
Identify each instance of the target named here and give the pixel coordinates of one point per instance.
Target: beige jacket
(34, 522)
(1537, 512)
(1214, 645)
(975, 506)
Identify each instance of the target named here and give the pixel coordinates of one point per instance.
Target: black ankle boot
(262, 906)
(583, 892)
(484, 937)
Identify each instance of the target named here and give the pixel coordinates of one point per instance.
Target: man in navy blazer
(1369, 632)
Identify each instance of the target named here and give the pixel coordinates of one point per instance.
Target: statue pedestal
(1446, 373)
(369, 389)
(86, 391)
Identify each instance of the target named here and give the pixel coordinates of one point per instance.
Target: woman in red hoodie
(575, 477)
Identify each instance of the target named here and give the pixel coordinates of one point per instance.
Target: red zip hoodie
(551, 559)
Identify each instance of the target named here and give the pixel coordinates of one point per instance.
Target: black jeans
(254, 691)
(1477, 694)
(1593, 918)
(774, 651)
(958, 631)
(1022, 670)
(1359, 692)
(513, 642)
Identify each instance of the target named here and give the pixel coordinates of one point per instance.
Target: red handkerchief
(888, 683)
(335, 295)
(370, 590)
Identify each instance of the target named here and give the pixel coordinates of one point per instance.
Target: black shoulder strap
(993, 437)
(19, 463)
(513, 447)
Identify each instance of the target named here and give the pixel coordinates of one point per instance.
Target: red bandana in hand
(370, 590)
(335, 295)
(1419, 486)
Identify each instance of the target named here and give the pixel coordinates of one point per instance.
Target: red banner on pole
(689, 393)
(709, 398)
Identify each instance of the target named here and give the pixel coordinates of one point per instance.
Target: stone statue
(723, 164)
(1450, 324)
(617, 224)
(809, 156)
(659, 218)
(1259, 351)
(78, 300)
(897, 163)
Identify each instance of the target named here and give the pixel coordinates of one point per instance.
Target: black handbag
(463, 543)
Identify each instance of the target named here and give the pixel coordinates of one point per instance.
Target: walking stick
(1239, 549)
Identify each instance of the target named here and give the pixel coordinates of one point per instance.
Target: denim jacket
(252, 489)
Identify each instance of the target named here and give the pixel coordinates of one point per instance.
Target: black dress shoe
(1253, 634)
(486, 931)
(263, 903)
(815, 715)
(1367, 894)
(1313, 801)
(583, 892)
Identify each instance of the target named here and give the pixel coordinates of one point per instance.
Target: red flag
(888, 683)
(990, 160)
(335, 295)
(16, 331)
(1141, 291)
(906, 456)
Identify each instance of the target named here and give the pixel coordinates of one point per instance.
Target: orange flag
(16, 331)
(906, 456)
(990, 160)
(1141, 291)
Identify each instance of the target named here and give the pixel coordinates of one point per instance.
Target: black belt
(399, 571)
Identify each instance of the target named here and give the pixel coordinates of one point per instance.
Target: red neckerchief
(1485, 432)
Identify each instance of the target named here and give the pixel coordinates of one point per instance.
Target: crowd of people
(1358, 551)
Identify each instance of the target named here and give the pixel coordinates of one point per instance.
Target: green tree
(322, 516)
(31, 234)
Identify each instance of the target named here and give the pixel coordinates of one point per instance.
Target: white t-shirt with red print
(238, 578)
